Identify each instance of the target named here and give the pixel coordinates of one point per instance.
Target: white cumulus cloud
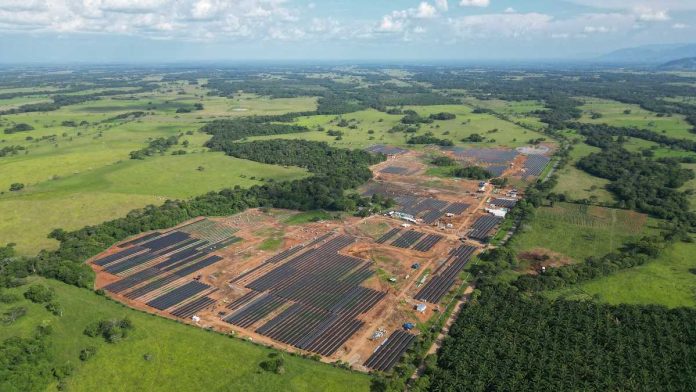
(647, 14)
(475, 3)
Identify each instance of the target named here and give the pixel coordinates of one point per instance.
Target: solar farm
(340, 289)
(525, 163)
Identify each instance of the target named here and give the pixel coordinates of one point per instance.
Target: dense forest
(641, 183)
(503, 341)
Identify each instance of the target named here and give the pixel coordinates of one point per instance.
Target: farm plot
(570, 232)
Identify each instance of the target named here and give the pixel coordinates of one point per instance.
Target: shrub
(87, 353)
(113, 331)
(39, 294)
(17, 186)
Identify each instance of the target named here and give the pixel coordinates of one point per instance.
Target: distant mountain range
(650, 54)
(685, 64)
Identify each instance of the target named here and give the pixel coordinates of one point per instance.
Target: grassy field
(576, 231)
(670, 281)
(111, 191)
(577, 184)
(498, 132)
(183, 358)
(516, 111)
(83, 175)
(612, 113)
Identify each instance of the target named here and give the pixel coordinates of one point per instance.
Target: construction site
(353, 289)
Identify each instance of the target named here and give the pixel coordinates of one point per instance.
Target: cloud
(441, 5)
(632, 4)
(505, 25)
(398, 21)
(648, 14)
(597, 29)
(475, 3)
(158, 19)
(389, 24)
(679, 26)
(425, 10)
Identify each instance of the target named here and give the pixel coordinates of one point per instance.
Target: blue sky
(413, 30)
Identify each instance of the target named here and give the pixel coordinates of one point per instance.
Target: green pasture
(83, 175)
(579, 231)
(111, 191)
(669, 280)
(576, 184)
(181, 357)
(372, 127)
(519, 112)
(612, 113)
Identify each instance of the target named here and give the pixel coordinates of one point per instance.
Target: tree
(17, 186)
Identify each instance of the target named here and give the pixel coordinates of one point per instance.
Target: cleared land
(306, 282)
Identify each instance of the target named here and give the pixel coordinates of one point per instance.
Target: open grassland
(657, 150)
(670, 280)
(111, 191)
(372, 127)
(180, 357)
(516, 111)
(576, 184)
(612, 113)
(578, 231)
(77, 176)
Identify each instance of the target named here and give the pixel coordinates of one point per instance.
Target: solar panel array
(496, 170)
(428, 209)
(481, 229)
(389, 352)
(535, 165)
(314, 298)
(445, 276)
(388, 235)
(407, 239)
(505, 203)
(428, 242)
(156, 268)
(191, 308)
(178, 295)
